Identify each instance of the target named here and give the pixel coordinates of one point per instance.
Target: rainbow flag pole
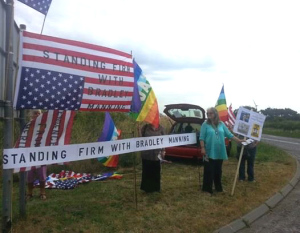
(144, 107)
(109, 133)
(221, 106)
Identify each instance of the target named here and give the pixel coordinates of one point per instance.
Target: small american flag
(231, 116)
(48, 129)
(70, 75)
(39, 5)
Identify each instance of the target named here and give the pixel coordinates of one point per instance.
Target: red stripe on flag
(75, 66)
(49, 140)
(101, 93)
(105, 102)
(103, 110)
(76, 43)
(36, 135)
(67, 138)
(30, 133)
(109, 82)
(64, 52)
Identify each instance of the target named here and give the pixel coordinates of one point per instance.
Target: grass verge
(282, 133)
(108, 206)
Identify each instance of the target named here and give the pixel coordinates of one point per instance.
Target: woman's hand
(242, 140)
(203, 151)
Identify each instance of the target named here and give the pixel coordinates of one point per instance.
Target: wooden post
(237, 170)
(134, 178)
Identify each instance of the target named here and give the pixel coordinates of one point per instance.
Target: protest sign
(34, 156)
(249, 123)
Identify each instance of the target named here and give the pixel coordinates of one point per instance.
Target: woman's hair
(216, 118)
(32, 113)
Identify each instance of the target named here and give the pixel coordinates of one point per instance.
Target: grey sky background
(189, 49)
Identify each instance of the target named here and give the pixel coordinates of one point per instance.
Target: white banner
(34, 156)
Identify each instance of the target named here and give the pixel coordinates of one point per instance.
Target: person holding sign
(151, 161)
(40, 172)
(249, 157)
(212, 142)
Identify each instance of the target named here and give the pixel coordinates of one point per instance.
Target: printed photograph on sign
(245, 116)
(255, 130)
(243, 128)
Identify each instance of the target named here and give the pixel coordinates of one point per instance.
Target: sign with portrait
(249, 123)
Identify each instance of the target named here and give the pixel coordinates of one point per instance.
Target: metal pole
(7, 173)
(8, 120)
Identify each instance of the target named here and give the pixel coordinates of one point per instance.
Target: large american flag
(48, 129)
(39, 5)
(70, 75)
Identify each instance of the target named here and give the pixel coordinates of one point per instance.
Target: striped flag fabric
(50, 128)
(221, 106)
(39, 5)
(231, 116)
(109, 133)
(148, 111)
(64, 74)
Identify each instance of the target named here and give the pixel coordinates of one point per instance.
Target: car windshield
(180, 113)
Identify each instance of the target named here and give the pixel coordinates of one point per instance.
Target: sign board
(36, 156)
(249, 123)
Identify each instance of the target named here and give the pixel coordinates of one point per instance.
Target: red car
(187, 118)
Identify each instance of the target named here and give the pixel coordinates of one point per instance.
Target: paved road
(285, 217)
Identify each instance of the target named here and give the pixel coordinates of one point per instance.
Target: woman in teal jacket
(212, 141)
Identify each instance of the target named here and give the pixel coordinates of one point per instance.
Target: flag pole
(43, 24)
(134, 173)
(22, 183)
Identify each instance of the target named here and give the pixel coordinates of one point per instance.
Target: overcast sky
(189, 49)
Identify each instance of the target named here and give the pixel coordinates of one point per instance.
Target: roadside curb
(248, 219)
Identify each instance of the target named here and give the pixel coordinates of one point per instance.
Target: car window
(185, 128)
(179, 113)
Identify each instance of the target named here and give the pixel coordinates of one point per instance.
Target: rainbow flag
(221, 106)
(109, 133)
(144, 107)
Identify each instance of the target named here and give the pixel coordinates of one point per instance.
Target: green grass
(109, 206)
(282, 133)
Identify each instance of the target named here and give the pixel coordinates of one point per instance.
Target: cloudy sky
(189, 49)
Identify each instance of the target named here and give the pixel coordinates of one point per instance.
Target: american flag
(48, 129)
(231, 116)
(39, 5)
(70, 75)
